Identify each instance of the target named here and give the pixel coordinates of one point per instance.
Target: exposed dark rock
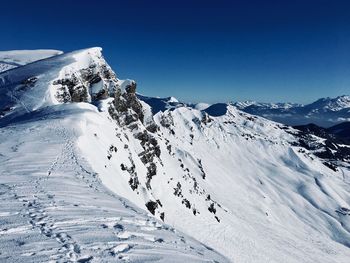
(343, 211)
(162, 216)
(331, 166)
(128, 104)
(186, 203)
(151, 150)
(151, 171)
(78, 86)
(169, 149)
(177, 190)
(131, 88)
(134, 182)
(212, 209)
(167, 120)
(152, 206)
(192, 137)
(112, 148)
(159, 202)
(103, 94)
(201, 168)
(152, 128)
(206, 119)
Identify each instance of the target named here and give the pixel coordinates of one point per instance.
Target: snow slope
(238, 183)
(53, 205)
(15, 58)
(255, 198)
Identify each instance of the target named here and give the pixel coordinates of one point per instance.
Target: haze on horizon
(295, 51)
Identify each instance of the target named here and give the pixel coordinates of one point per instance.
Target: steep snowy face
(14, 58)
(242, 184)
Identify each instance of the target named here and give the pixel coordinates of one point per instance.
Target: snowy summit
(92, 171)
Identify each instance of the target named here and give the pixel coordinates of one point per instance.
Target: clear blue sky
(285, 50)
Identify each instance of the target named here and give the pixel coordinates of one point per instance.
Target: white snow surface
(236, 183)
(14, 58)
(55, 209)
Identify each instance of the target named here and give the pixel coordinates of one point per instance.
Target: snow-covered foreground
(54, 208)
(77, 145)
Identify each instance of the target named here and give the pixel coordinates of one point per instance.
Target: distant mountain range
(324, 112)
(334, 137)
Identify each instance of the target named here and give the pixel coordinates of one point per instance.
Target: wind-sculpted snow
(16, 58)
(81, 76)
(243, 185)
(53, 207)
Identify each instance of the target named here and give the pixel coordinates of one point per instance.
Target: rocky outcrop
(127, 105)
(95, 82)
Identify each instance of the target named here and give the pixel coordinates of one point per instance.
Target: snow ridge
(247, 187)
(15, 58)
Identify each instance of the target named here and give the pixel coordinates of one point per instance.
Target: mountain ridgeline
(247, 188)
(325, 112)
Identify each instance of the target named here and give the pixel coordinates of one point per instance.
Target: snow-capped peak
(244, 104)
(324, 112)
(173, 100)
(332, 104)
(79, 76)
(252, 189)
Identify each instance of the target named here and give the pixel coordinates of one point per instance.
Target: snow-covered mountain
(54, 207)
(14, 58)
(83, 157)
(324, 112)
